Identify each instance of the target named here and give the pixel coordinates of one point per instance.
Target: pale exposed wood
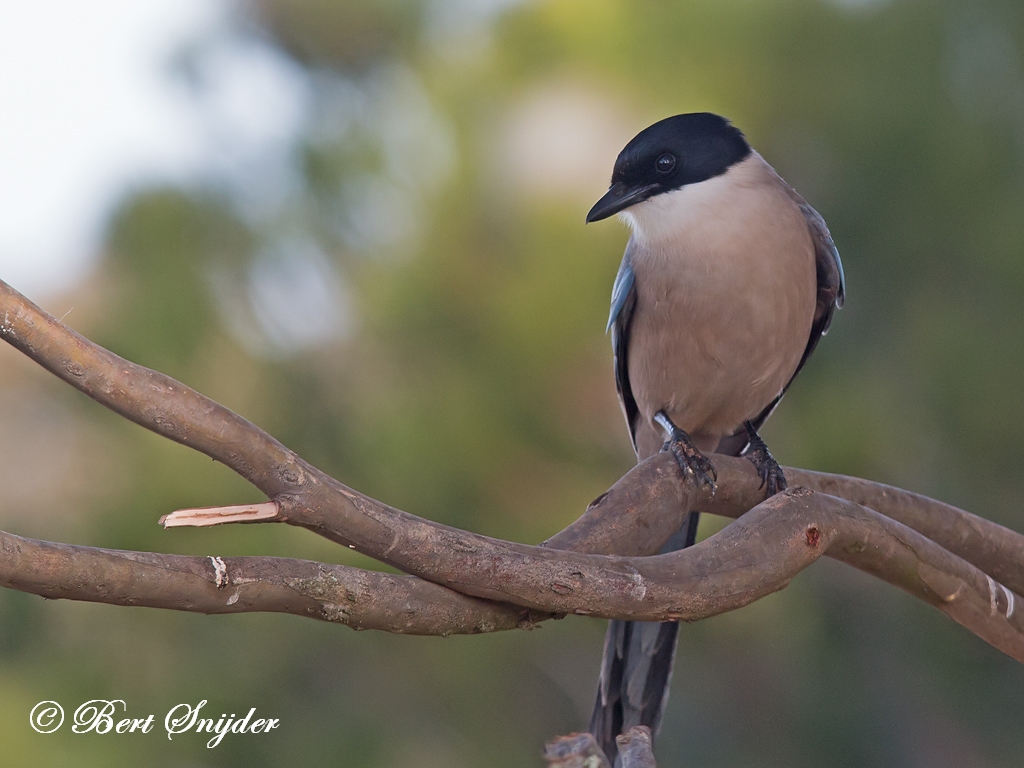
(204, 516)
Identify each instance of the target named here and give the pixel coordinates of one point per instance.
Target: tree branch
(577, 750)
(580, 750)
(756, 555)
(354, 597)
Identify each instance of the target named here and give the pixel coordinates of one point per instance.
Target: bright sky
(89, 106)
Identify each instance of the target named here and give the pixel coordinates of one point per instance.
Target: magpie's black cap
(679, 150)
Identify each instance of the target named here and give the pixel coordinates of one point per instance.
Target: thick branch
(996, 550)
(757, 554)
(752, 557)
(351, 596)
(369, 599)
(636, 748)
(355, 597)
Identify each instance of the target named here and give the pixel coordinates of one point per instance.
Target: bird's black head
(679, 150)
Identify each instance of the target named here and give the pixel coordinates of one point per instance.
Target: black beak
(618, 198)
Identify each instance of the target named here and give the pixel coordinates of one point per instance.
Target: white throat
(663, 218)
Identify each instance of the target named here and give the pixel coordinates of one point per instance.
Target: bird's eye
(666, 163)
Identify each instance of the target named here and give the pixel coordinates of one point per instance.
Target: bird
(728, 281)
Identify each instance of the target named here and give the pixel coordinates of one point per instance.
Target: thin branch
(204, 516)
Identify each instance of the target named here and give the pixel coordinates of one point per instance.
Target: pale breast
(726, 288)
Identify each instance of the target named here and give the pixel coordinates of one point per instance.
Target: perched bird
(728, 282)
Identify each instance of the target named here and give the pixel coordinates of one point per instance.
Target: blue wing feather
(624, 280)
(619, 321)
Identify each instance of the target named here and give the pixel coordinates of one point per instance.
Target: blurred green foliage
(470, 381)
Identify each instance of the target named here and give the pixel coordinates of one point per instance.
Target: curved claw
(691, 461)
(772, 478)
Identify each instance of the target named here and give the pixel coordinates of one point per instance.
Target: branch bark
(580, 750)
(577, 750)
(943, 555)
(357, 598)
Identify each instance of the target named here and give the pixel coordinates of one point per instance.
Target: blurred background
(360, 225)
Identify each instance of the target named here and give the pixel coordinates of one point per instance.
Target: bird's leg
(689, 459)
(768, 468)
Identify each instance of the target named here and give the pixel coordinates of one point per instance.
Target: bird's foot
(691, 461)
(768, 469)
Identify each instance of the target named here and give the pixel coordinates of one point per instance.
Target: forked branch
(966, 566)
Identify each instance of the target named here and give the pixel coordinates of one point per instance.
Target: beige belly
(723, 316)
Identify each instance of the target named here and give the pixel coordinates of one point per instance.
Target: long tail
(637, 667)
